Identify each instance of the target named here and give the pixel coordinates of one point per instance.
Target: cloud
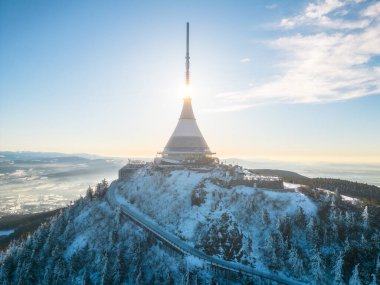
(245, 60)
(320, 67)
(231, 108)
(321, 14)
(372, 11)
(271, 6)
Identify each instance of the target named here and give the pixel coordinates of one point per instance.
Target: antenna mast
(187, 56)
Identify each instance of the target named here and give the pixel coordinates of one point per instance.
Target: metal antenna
(187, 56)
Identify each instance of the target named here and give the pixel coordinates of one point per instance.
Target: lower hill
(368, 193)
(297, 233)
(19, 226)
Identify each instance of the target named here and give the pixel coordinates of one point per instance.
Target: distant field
(35, 182)
(363, 173)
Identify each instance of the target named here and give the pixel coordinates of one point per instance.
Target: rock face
(223, 238)
(198, 195)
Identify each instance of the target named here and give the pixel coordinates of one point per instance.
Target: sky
(284, 80)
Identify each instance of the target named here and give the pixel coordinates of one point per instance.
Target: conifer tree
(295, 262)
(310, 229)
(106, 278)
(7, 267)
(363, 241)
(116, 276)
(365, 217)
(375, 239)
(47, 276)
(373, 282)
(316, 264)
(325, 237)
(86, 278)
(265, 217)
(89, 193)
(346, 245)
(332, 215)
(338, 270)
(355, 278)
(301, 218)
(139, 277)
(334, 233)
(281, 247)
(347, 219)
(270, 252)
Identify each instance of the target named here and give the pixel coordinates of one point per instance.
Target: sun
(186, 91)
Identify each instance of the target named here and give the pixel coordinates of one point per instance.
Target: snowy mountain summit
(200, 225)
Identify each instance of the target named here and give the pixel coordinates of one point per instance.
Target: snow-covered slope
(310, 236)
(168, 197)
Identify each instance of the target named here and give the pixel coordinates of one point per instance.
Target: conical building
(186, 144)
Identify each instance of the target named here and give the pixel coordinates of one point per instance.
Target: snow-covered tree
(310, 229)
(47, 276)
(373, 282)
(89, 192)
(295, 262)
(300, 218)
(139, 278)
(365, 217)
(346, 245)
(348, 219)
(332, 215)
(337, 192)
(338, 270)
(106, 274)
(355, 278)
(375, 239)
(265, 217)
(281, 246)
(86, 278)
(334, 233)
(363, 241)
(270, 252)
(278, 224)
(325, 237)
(316, 264)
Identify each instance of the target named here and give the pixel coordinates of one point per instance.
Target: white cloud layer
(271, 6)
(324, 66)
(322, 14)
(245, 60)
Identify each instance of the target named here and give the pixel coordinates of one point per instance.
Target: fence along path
(174, 242)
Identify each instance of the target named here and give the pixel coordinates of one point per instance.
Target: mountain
(43, 155)
(164, 225)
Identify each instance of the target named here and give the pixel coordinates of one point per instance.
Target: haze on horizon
(279, 80)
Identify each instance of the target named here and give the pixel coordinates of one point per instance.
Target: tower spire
(187, 56)
(186, 145)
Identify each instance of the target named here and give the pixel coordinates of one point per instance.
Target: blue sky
(292, 80)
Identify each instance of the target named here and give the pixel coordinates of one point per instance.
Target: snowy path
(132, 213)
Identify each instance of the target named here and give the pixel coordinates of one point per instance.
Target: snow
(350, 199)
(193, 261)
(6, 232)
(288, 185)
(344, 197)
(78, 243)
(150, 191)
